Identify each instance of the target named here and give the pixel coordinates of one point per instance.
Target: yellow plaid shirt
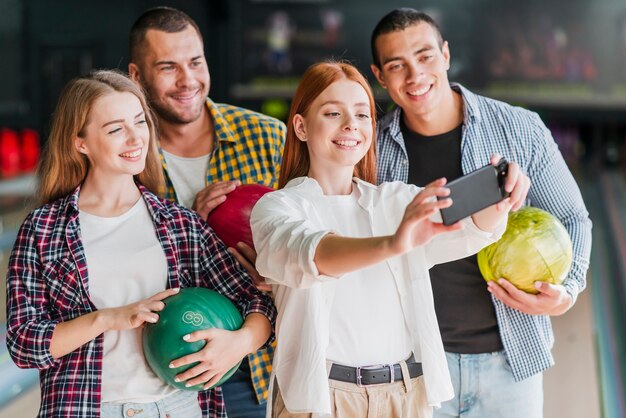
(248, 147)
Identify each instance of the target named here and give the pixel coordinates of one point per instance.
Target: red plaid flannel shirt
(48, 282)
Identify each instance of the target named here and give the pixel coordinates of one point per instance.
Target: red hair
(316, 79)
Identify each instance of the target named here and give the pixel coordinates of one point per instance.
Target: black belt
(374, 375)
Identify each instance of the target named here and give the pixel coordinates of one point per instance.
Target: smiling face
(116, 137)
(174, 73)
(337, 128)
(413, 69)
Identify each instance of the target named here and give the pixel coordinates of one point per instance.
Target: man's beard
(169, 115)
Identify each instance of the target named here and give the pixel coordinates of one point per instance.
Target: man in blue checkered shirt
(497, 338)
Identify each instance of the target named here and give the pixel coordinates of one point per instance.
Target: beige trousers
(402, 399)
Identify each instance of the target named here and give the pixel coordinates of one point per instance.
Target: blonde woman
(94, 262)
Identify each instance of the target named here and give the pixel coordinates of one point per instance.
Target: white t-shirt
(188, 176)
(126, 263)
(367, 325)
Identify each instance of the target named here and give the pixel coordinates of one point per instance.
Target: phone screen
(472, 193)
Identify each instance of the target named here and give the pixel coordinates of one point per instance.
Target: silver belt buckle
(359, 377)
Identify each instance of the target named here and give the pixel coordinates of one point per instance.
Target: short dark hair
(400, 19)
(165, 19)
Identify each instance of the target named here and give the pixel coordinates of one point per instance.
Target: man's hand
(211, 196)
(247, 258)
(551, 300)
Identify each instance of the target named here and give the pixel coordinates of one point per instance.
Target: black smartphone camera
(475, 191)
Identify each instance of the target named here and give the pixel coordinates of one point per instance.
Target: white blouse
(287, 226)
(365, 328)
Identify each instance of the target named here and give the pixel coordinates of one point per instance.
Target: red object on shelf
(9, 153)
(30, 149)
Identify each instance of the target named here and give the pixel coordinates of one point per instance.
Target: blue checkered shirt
(519, 135)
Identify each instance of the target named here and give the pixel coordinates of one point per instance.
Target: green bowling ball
(534, 247)
(189, 310)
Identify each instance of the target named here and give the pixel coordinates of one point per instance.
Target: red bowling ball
(231, 219)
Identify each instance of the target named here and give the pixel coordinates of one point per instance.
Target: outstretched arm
(336, 255)
(517, 185)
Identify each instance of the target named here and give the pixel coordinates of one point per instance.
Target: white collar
(311, 187)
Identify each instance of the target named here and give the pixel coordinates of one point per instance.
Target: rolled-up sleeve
(29, 325)
(285, 240)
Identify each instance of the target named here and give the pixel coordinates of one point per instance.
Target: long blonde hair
(62, 167)
(296, 159)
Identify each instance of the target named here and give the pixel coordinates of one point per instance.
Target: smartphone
(475, 191)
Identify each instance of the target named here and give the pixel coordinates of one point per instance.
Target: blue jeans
(484, 387)
(181, 404)
(239, 395)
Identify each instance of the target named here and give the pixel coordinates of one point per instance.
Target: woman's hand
(136, 314)
(222, 351)
(69, 335)
(416, 227)
(517, 185)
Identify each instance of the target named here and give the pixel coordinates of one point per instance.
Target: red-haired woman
(348, 262)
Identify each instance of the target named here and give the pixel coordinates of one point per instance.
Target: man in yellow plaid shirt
(207, 149)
